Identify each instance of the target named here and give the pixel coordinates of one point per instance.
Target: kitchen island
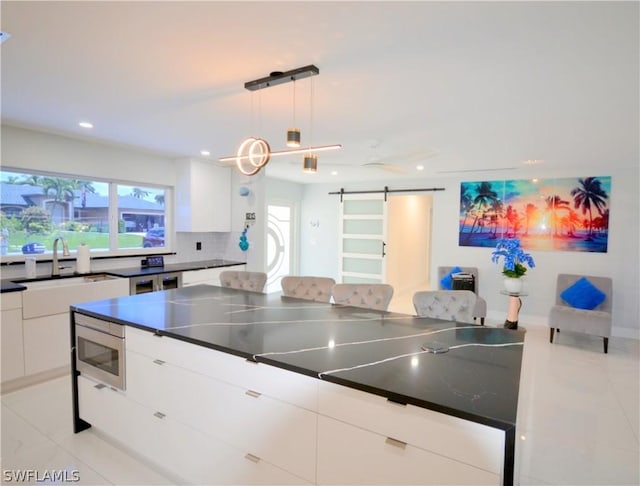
(307, 392)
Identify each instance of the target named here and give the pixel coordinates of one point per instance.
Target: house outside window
(109, 217)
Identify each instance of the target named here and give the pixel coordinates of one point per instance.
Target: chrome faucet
(55, 269)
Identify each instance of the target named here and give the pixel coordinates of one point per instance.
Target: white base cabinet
(12, 352)
(209, 276)
(183, 450)
(47, 343)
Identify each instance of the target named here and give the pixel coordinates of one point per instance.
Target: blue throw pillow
(583, 295)
(446, 281)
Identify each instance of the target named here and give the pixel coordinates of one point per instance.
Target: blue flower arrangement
(514, 257)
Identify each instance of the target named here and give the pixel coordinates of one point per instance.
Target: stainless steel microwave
(100, 350)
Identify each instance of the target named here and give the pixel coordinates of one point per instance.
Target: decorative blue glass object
(244, 244)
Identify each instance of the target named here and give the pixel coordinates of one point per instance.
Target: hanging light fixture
(310, 161)
(254, 152)
(293, 134)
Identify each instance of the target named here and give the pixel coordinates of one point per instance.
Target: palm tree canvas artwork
(569, 214)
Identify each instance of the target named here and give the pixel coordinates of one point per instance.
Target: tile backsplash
(213, 245)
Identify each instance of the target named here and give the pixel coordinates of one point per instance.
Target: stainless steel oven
(100, 350)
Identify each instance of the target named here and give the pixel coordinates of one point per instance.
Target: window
(107, 216)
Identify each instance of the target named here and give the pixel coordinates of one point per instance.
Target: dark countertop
(18, 283)
(377, 352)
(9, 286)
(171, 267)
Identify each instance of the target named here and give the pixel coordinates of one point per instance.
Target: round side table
(515, 303)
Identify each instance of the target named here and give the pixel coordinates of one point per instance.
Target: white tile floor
(580, 421)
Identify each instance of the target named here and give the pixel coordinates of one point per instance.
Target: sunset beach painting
(569, 214)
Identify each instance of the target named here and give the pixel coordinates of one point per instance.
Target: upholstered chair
(234, 279)
(368, 296)
(309, 288)
(450, 305)
(480, 310)
(596, 322)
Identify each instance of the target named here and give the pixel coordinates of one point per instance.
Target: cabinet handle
(252, 458)
(159, 415)
(396, 402)
(252, 393)
(395, 442)
(99, 386)
(159, 361)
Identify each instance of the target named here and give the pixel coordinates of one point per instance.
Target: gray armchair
(450, 305)
(234, 279)
(368, 296)
(596, 322)
(317, 289)
(480, 309)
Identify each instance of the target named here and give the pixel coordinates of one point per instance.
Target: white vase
(513, 285)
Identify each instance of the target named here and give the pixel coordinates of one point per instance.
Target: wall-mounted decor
(569, 214)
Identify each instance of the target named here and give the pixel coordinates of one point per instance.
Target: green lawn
(74, 239)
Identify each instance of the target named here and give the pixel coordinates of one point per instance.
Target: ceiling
(460, 88)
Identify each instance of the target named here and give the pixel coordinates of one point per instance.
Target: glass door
(279, 244)
(363, 226)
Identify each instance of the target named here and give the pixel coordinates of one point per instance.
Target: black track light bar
(278, 77)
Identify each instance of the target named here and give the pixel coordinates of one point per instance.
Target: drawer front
(462, 440)
(351, 455)
(284, 385)
(208, 275)
(280, 433)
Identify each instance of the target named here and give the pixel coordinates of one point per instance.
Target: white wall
(29, 149)
(255, 202)
(319, 250)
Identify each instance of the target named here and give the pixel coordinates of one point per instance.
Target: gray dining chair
(480, 309)
(307, 287)
(237, 279)
(450, 305)
(368, 296)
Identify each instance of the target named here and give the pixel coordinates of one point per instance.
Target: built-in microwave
(100, 350)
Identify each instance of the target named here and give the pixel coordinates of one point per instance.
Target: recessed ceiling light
(85, 124)
(334, 172)
(205, 152)
(420, 167)
(533, 162)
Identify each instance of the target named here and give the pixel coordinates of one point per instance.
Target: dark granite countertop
(18, 283)
(171, 267)
(9, 286)
(377, 352)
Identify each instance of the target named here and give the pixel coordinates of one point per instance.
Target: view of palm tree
(555, 214)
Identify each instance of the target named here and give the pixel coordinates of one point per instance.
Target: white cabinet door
(351, 455)
(47, 343)
(203, 197)
(12, 343)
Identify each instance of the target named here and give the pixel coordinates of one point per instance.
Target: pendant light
(293, 134)
(310, 161)
(254, 152)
